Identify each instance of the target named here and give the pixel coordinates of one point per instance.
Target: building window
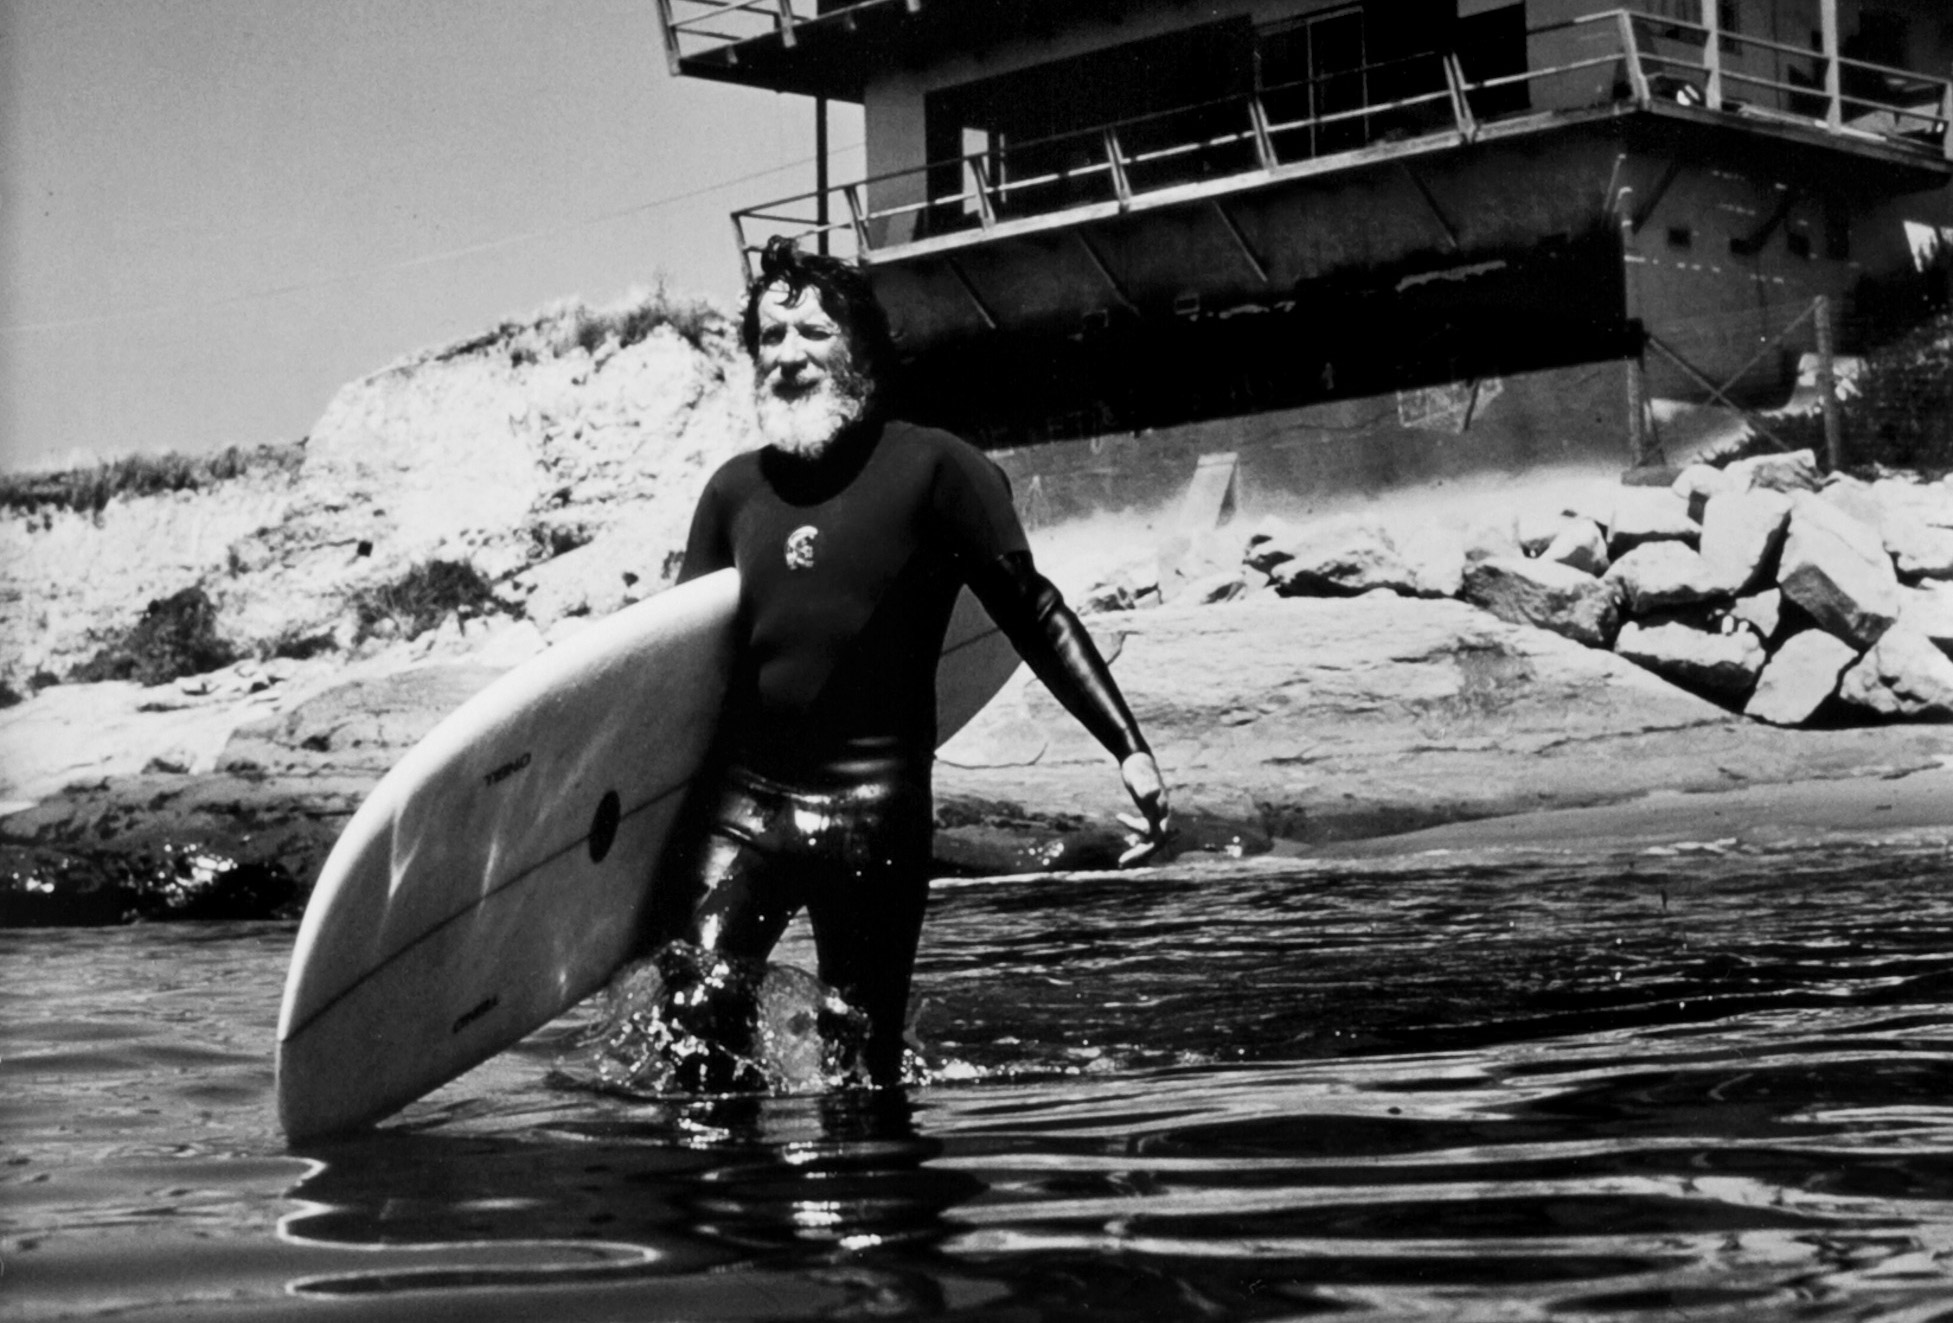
(1042, 131)
(1681, 236)
(1340, 79)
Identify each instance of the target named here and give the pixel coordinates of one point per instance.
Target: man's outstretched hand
(1148, 791)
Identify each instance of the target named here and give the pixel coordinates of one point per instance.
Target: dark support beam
(976, 299)
(1715, 391)
(1751, 244)
(820, 173)
(1248, 253)
(1431, 204)
(1112, 281)
(1646, 211)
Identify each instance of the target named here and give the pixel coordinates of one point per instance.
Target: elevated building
(1355, 243)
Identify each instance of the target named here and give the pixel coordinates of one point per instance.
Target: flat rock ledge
(1284, 722)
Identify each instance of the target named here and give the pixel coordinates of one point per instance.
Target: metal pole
(1833, 75)
(1631, 313)
(1827, 386)
(820, 173)
(1712, 55)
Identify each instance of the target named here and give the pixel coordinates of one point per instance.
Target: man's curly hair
(845, 295)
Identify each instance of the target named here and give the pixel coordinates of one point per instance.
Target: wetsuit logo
(800, 547)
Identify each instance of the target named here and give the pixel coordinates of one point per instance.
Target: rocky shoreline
(1380, 669)
(1301, 726)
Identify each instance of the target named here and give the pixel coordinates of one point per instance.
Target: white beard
(806, 425)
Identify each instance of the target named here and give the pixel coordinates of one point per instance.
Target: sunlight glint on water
(1641, 1087)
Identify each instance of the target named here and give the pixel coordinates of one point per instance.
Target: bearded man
(853, 533)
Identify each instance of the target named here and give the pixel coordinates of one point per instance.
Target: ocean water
(1702, 1083)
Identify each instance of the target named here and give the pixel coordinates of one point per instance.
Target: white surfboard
(497, 875)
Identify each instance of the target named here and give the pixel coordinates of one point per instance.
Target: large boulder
(1536, 528)
(1919, 549)
(1696, 483)
(1658, 575)
(1579, 544)
(1649, 514)
(1436, 557)
(1903, 675)
(1836, 569)
(1546, 596)
(1725, 665)
(1928, 610)
(1742, 536)
(1762, 612)
(1800, 678)
(1931, 503)
(1338, 559)
(1795, 472)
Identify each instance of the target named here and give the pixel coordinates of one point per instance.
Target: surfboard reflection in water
(688, 1020)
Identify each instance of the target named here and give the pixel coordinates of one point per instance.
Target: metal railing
(1636, 59)
(697, 27)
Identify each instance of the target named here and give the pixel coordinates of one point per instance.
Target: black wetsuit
(849, 568)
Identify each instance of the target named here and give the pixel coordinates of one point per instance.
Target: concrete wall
(1287, 461)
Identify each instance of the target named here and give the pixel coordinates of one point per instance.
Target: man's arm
(972, 510)
(1055, 645)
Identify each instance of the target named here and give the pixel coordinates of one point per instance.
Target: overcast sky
(215, 212)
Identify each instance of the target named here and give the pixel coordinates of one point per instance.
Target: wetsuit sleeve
(973, 509)
(708, 546)
(1052, 642)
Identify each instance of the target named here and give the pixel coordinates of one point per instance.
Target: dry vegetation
(571, 325)
(87, 489)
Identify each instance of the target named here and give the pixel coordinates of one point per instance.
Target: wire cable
(410, 263)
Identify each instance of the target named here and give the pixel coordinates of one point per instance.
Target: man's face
(808, 385)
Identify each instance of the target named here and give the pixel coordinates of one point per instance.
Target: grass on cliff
(562, 328)
(421, 599)
(89, 488)
(176, 636)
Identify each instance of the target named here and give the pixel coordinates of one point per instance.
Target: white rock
(1797, 680)
(1698, 482)
(1903, 675)
(1491, 538)
(1220, 586)
(508, 643)
(1931, 503)
(1536, 529)
(1545, 595)
(1918, 549)
(1655, 575)
(1835, 568)
(1796, 471)
(1342, 560)
(1928, 610)
(1762, 612)
(1742, 534)
(567, 628)
(1649, 514)
(1436, 556)
(1579, 544)
(1722, 664)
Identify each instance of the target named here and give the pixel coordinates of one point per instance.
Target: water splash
(687, 1020)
